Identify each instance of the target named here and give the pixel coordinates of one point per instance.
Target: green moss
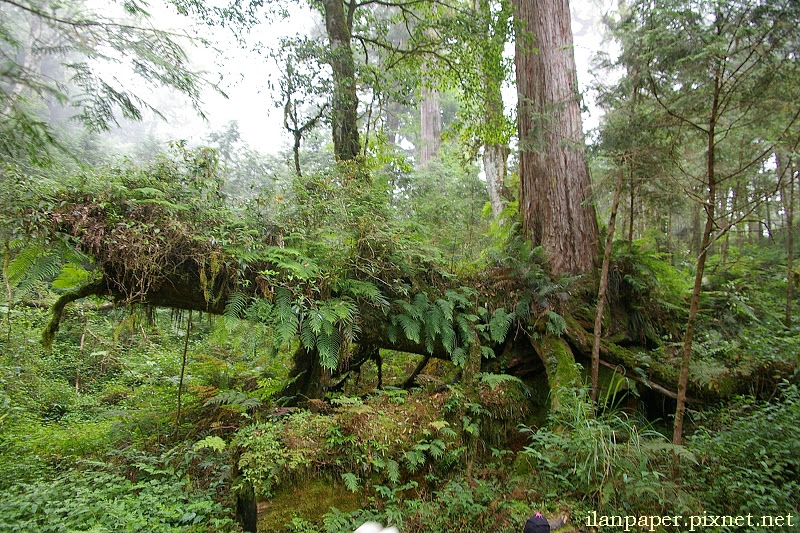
(310, 501)
(562, 371)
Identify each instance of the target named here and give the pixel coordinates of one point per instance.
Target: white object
(369, 527)
(374, 527)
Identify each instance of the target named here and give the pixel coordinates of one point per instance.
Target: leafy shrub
(606, 460)
(750, 459)
(98, 499)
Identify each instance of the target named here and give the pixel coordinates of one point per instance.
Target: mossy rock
(309, 501)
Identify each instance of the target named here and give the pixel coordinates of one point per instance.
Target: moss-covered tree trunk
(562, 373)
(307, 379)
(344, 115)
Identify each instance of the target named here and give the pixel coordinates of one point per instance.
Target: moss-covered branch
(96, 288)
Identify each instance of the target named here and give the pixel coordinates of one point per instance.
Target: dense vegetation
(363, 327)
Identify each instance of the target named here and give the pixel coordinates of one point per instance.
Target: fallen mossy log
(174, 268)
(662, 376)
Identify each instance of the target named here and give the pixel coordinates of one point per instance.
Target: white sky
(246, 76)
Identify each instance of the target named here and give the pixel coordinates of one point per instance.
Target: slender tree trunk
(711, 202)
(768, 217)
(697, 231)
(601, 293)
(183, 369)
(631, 210)
(9, 293)
(554, 176)
(344, 114)
(790, 248)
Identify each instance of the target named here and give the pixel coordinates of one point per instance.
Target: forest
(441, 303)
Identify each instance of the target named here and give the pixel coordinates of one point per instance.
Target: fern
(328, 347)
(233, 400)
(297, 265)
(307, 335)
(236, 305)
(494, 380)
(500, 324)
(556, 325)
(72, 275)
(393, 470)
(351, 481)
(411, 328)
(56, 262)
(449, 338)
(463, 324)
(459, 356)
(361, 289)
(446, 308)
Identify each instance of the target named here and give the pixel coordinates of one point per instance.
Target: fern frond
(411, 328)
(362, 289)
(351, 481)
(556, 325)
(393, 470)
(328, 347)
(500, 324)
(32, 265)
(286, 317)
(307, 335)
(447, 309)
(494, 380)
(236, 305)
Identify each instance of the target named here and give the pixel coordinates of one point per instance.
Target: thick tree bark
(494, 166)
(344, 115)
(554, 177)
(430, 112)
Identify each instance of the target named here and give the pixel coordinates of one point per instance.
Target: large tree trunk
(430, 112)
(554, 177)
(344, 114)
(492, 72)
(494, 166)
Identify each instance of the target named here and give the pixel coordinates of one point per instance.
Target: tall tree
(554, 176)
(344, 114)
(430, 115)
(493, 131)
(711, 68)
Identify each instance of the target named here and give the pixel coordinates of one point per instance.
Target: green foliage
(746, 461)
(62, 53)
(54, 262)
(646, 295)
(607, 460)
(449, 321)
(96, 498)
